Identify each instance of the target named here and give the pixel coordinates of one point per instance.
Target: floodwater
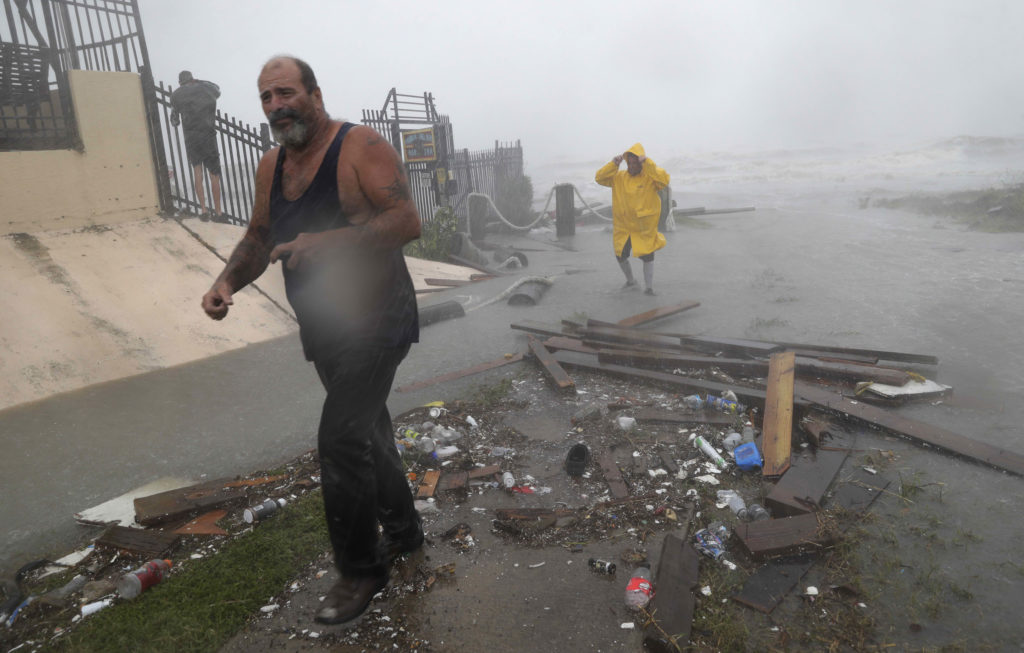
(809, 265)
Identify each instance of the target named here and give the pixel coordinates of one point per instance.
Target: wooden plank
(629, 337)
(178, 504)
(656, 314)
(204, 524)
(612, 475)
(671, 609)
(767, 586)
(777, 441)
(748, 396)
(458, 374)
(856, 490)
(428, 484)
(152, 543)
(877, 354)
(827, 356)
(483, 472)
(448, 283)
(772, 537)
(453, 481)
(659, 416)
(552, 367)
(918, 431)
(802, 488)
(539, 328)
(555, 343)
(730, 346)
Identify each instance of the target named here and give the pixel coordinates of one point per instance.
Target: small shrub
(435, 236)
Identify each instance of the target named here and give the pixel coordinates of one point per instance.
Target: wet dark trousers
(362, 476)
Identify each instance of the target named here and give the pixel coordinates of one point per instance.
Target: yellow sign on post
(419, 145)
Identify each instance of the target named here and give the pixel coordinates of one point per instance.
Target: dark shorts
(202, 149)
(628, 247)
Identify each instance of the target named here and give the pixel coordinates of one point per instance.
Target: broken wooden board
(204, 524)
(631, 337)
(816, 427)
(453, 481)
(777, 427)
(773, 537)
(484, 472)
(767, 586)
(121, 509)
(804, 485)
(658, 416)
(656, 314)
(556, 343)
(447, 283)
(428, 484)
(856, 490)
(612, 475)
(538, 328)
(875, 354)
(912, 389)
(178, 504)
(253, 482)
(150, 543)
(671, 609)
(552, 367)
(918, 431)
(748, 396)
(730, 346)
(451, 376)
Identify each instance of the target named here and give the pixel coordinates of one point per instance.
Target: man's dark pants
(362, 476)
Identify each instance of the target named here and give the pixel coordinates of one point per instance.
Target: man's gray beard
(295, 135)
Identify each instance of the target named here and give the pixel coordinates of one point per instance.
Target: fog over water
(584, 80)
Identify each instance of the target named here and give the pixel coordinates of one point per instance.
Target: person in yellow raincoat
(636, 208)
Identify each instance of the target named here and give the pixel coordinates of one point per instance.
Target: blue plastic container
(748, 458)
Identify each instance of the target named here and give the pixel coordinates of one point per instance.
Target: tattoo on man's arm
(397, 191)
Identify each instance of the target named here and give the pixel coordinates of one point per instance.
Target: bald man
(333, 207)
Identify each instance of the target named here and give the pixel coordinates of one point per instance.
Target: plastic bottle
(731, 441)
(738, 506)
(602, 566)
(131, 585)
(693, 402)
(710, 452)
(756, 512)
(262, 510)
(748, 431)
(508, 480)
(639, 589)
(724, 405)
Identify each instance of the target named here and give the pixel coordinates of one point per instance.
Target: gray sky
(583, 80)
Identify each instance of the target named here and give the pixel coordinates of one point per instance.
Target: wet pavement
(805, 267)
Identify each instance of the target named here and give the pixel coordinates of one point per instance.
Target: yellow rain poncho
(636, 206)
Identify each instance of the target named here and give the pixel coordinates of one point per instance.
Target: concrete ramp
(100, 303)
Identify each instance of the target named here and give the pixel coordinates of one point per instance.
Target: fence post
(265, 142)
(565, 211)
(156, 141)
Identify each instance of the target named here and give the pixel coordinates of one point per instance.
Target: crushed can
(709, 544)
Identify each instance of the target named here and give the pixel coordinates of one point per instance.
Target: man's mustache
(283, 112)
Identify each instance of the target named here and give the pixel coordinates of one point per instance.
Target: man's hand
(642, 159)
(617, 160)
(217, 300)
(306, 248)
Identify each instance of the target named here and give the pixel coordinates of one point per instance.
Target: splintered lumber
(767, 586)
(802, 487)
(656, 314)
(458, 374)
(483, 472)
(178, 504)
(877, 354)
(748, 396)
(672, 607)
(630, 337)
(152, 543)
(730, 346)
(918, 431)
(658, 416)
(204, 524)
(612, 475)
(772, 537)
(778, 414)
(552, 367)
(428, 484)
(539, 328)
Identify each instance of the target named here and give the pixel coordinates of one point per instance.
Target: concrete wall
(113, 180)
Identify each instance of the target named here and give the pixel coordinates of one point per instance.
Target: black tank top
(352, 298)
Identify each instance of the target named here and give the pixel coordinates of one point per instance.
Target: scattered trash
(93, 608)
(132, 584)
(625, 422)
(748, 458)
(263, 510)
(710, 452)
(602, 566)
(639, 589)
(577, 458)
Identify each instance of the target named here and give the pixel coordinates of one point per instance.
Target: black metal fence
(240, 146)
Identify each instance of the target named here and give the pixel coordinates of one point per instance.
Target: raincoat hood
(637, 149)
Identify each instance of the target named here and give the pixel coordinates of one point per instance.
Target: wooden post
(778, 414)
(565, 212)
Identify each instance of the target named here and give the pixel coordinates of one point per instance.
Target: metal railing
(240, 146)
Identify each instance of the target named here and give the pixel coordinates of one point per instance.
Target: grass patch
(204, 605)
(492, 395)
